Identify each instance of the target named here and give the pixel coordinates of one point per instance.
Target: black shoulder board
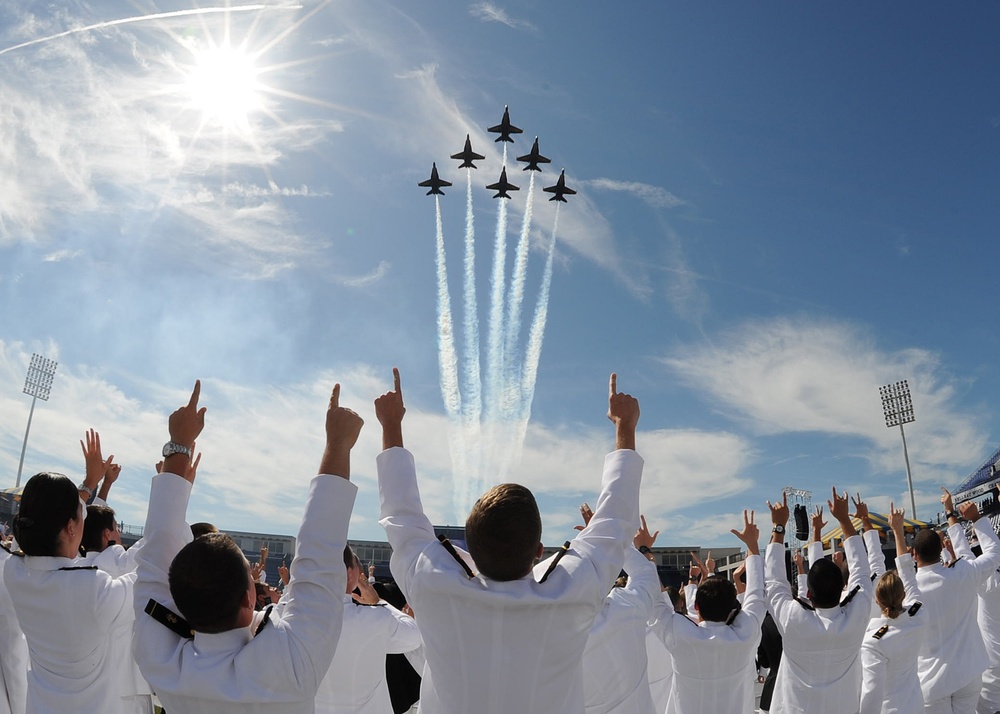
(914, 608)
(555, 561)
(267, 618)
(874, 576)
(79, 567)
(880, 632)
(368, 604)
(20, 554)
(454, 554)
(732, 615)
(850, 595)
(952, 563)
(803, 603)
(174, 623)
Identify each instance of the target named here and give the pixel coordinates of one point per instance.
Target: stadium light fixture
(897, 406)
(37, 385)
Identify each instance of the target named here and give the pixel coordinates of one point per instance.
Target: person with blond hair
(892, 641)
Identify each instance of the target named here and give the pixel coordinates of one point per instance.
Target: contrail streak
(145, 18)
(447, 358)
(494, 345)
(511, 396)
(472, 406)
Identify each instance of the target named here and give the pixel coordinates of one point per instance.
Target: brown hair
(889, 594)
(503, 532)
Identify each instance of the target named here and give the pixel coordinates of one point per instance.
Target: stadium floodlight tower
(37, 385)
(898, 408)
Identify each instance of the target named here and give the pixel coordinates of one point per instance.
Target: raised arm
(857, 561)
(754, 602)
(873, 544)
(779, 590)
(623, 411)
(986, 564)
(95, 465)
(904, 561)
(815, 548)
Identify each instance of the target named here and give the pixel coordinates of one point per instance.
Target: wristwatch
(172, 447)
(645, 549)
(778, 528)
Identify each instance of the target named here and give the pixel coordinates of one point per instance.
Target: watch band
(86, 489)
(172, 447)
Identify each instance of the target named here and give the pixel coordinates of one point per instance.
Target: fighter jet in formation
(533, 158)
(435, 183)
(504, 128)
(560, 190)
(502, 186)
(467, 155)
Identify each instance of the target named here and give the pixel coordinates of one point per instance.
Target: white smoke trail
(146, 18)
(473, 403)
(494, 341)
(510, 405)
(533, 352)
(447, 357)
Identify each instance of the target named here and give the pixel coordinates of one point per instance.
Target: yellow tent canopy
(879, 521)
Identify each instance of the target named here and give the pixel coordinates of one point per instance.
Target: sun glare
(223, 86)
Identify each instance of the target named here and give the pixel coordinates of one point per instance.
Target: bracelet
(87, 489)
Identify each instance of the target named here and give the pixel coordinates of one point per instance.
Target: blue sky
(780, 208)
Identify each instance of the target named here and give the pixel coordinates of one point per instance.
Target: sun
(222, 85)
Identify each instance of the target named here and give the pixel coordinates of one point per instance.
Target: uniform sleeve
(908, 574)
(857, 563)
(876, 559)
(814, 552)
(802, 582)
(960, 543)
(778, 590)
(873, 664)
(755, 599)
(402, 514)
(986, 564)
(404, 635)
(643, 588)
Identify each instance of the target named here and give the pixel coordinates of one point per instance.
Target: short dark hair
(503, 532)
(48, 502)
(208, 581)
(926, 544)
(716, 599)
(99, 518)
(201, 528)
(826, 583)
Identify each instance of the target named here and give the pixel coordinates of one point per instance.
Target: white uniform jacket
(820, 671)
(713, 661)
(614, 661)
(989, 600)
(278, 670)
(69, 612)
(13, 653)
(355, 682)
(889, 654)
(499, 647)
(953, 653)
(660, 663)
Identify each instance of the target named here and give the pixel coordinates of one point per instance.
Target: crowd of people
(180, 620)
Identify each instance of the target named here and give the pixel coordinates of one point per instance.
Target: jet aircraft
(467, 155)
(533, 158)
(560, 190)
(502, 186)
(434, 182)
(504, 128)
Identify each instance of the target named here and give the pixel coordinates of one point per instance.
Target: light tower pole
(37, 385)
(897, 405)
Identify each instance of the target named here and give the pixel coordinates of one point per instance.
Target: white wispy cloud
(373, 277)
(655, 196)
(60, 255)
(490, 12)
(805, 374)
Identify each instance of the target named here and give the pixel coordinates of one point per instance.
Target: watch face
(779, 528)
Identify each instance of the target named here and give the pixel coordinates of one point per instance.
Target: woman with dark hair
(67, 610)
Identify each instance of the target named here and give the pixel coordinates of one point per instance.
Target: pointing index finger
(395, 380)
(613, 385)
(335, 396)
(195, 393)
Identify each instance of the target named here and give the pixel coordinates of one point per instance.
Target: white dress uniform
(69, 612)
(953, 656)
(988, 617)
(500, 647)
(614, 661)
(13, 654)
(890, 683)
(660, 663)
(137, 697)
(355, 682)
(713, 661)
(279, 670)
(876, 564)
(820, 671)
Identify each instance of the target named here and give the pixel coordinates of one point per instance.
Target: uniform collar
(216, 642)
(49, 562)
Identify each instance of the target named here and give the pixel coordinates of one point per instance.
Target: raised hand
(186, 423)
(368, 594)
(861, 512)
(95, 464)
(642, 536)
(283, 573)
(738, 579)
(818, 524)
(800, 562)
(839, 507)
(702, 566)
(586, 513)
(779, 511)
(750, 534)
(896, 522)
(623, 411)
(969, 511)
(946, 500)
(389, 410)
